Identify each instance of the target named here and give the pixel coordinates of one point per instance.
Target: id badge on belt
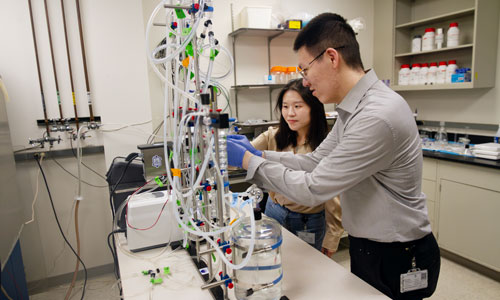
(414, 279)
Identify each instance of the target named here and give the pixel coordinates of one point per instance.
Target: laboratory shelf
(435, 50)
(257, 86)
(478, 39)
(259, 32)
(450, 86)
(440, 18)
(269, 35)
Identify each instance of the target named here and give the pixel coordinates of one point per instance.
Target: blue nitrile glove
(243, 141)
(235, 153)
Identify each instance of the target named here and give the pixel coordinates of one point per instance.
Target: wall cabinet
(465, 202)
(477, 50)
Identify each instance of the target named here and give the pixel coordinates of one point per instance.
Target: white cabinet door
(469, 222)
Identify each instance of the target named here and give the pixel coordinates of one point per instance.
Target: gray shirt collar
(352, 99)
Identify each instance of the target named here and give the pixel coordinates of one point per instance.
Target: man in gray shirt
(371, 158)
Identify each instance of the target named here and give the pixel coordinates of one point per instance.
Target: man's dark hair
(318, 128)
(330, 30)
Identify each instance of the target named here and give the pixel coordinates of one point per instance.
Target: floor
(455, 282)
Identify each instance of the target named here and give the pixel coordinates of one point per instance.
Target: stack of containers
(429, 74)
(423, 74)
(281, 75)
(433, 38)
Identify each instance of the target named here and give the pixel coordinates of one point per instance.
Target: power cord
(129, 159)
(112, 248)
(59, 225)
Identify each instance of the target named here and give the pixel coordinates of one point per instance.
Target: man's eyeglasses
(303, 72)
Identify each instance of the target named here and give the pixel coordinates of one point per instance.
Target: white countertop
(307, 274)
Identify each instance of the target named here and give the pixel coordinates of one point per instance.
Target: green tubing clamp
(156, 280)
(158, 181)
(180, 13)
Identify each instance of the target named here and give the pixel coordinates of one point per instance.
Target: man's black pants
(381, 264)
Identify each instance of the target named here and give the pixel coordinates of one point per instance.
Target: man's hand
(235, 153)
(327, 252)
(243, 141)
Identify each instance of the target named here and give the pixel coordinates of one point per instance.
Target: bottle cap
(452, 62)
(275, 69)
(434, 64)
(291, 69)
(424, 65)
(431, 29)
(405, 66)
(439, 30)
(415, 66)
(454, 24)
(442, 63)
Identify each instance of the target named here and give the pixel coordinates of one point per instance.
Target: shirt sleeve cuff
(272, 156)
(331, 241)
(253, 164)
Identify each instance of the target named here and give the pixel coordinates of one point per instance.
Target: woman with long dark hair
(301, 129)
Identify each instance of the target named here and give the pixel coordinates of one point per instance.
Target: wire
(59, 226)
(123, 126)
(151, 137)
(36, 193)
(156, 221)
(73, 150)
(112, 248)
(19, 294)
(5, 293)
(28, 148)
(115, 264)
(76, 177)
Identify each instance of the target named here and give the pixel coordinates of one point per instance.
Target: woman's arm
(334, 229)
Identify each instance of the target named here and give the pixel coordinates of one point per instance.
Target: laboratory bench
(307, 274)
(488, 163)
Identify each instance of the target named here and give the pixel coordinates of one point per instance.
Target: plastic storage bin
(255, 17)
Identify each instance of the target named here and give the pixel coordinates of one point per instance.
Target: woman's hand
(327, 252)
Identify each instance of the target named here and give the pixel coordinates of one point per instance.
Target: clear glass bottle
(261, 278)
(441, 137)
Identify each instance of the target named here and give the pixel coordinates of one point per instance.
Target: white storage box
(255, 17)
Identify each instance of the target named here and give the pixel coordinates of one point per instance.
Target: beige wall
(116, 57)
